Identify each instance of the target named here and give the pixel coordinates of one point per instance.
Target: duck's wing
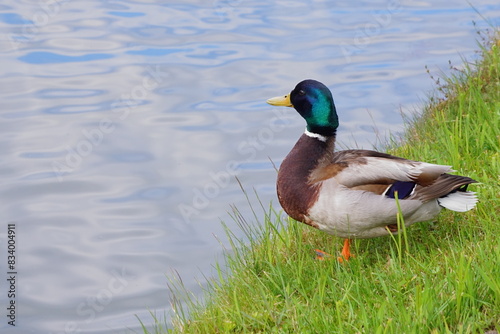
(385, 174)
(355, 168)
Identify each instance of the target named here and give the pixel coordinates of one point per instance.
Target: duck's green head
(314, 102)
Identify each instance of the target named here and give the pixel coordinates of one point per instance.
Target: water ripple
(77, 108)
(157, 52)
(45, 57)
(126, 14)
(58, 93)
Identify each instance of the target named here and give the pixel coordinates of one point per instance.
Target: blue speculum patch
(403, 189)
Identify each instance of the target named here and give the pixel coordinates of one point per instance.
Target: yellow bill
(282, 101)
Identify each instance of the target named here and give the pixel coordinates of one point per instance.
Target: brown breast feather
(296, 192)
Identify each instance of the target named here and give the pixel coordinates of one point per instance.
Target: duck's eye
(302, 93)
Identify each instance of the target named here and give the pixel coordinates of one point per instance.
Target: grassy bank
(439, 277)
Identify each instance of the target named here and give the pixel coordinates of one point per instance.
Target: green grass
(438, 277)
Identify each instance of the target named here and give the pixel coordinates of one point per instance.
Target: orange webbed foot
(346, 252)
(320, 255)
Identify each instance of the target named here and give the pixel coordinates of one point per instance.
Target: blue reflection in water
(157, 52)
(77, 108)
(126, 14)
(44, 57)
(14, 18)
(68, 93)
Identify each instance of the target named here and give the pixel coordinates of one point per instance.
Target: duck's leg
(346, 253)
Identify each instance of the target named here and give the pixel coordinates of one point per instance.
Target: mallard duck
(354, 193)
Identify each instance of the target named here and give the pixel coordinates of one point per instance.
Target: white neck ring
(315, 135)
